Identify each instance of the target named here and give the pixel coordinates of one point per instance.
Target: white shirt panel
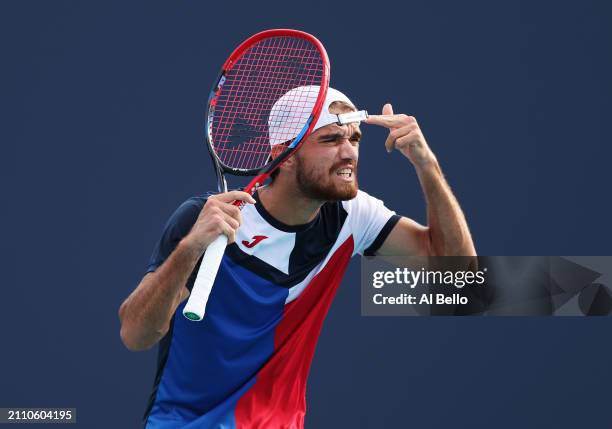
(367, 215)
(274, 250)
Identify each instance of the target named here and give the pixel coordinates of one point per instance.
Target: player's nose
(348, 150)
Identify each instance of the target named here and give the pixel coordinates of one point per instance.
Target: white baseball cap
(290, 113)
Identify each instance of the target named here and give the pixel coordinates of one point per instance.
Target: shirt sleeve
(371, 223)
(177, 227)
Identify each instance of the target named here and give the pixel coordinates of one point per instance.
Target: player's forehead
(335, 131)
(348, 129)
(337, 107)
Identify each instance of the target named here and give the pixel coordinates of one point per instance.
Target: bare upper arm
(140, 331)
(144, 289)
(407, 238)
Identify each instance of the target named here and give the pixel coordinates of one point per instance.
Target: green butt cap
(192, 316)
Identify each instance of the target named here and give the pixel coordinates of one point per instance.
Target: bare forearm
(449, 232)
(146, 313)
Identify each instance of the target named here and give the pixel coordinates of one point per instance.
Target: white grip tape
(196, 304)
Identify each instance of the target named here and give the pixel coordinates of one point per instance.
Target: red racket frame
(263, 173)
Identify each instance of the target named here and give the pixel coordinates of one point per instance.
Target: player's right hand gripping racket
(269, 93)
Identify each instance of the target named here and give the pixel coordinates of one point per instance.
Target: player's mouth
(345, 173)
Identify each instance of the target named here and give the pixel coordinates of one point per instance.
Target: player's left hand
(404, 135)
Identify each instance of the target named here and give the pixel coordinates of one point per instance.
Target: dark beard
(310, 186)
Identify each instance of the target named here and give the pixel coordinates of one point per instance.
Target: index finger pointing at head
(388, 121)
(228, 197)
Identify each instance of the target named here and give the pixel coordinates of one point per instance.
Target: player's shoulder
(361, 200)
(187, 212)
(195, 201)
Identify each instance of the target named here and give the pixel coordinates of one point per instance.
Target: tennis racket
(269, 93)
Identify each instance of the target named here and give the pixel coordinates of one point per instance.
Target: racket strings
(266, 72)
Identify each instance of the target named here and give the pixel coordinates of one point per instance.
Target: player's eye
(330, 139)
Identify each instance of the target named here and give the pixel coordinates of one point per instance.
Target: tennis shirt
(245, 365)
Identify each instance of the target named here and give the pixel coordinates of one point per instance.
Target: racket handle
(196, 304)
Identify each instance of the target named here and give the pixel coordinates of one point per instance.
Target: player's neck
(287, 206)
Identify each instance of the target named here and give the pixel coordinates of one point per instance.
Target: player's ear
(288, 165)
(290, 162)
(277, 150)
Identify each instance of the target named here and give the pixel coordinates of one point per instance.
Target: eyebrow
(339, 135)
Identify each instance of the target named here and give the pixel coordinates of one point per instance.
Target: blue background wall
(102, 111)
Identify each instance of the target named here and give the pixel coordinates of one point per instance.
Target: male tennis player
(246, 364)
